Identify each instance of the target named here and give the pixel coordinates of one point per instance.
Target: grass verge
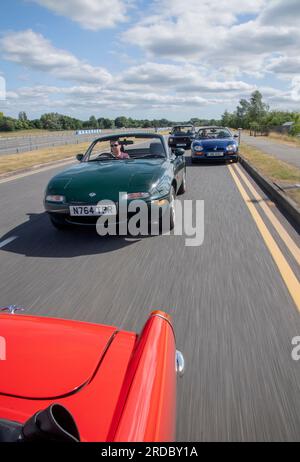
(288, 140)
(18, 162)
(285, 139)
(275, 170)
(15, 162)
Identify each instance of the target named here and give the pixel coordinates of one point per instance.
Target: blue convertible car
(214, 144)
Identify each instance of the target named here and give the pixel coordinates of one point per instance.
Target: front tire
(58, 224)
(172, 208)
(182, 188)
(171, 214)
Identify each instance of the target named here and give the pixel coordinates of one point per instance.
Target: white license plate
(180, 144)
(92, 210)
(215, 154)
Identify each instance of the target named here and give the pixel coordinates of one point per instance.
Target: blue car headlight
(198, 148)
(231, 148)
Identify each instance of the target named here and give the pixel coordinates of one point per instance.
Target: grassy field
(15, 162)
(285, 139)
(293, 141)
(274, 169)
(18, 162)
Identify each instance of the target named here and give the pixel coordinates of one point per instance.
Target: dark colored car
(181, 136)
(149, 171)
(214, 144)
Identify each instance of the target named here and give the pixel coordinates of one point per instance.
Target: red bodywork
(117, 385)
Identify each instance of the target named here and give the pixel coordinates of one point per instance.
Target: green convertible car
(118, 169)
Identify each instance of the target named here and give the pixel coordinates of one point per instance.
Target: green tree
(257, 108)
(121, 122)
(93, 122)
(23, 116)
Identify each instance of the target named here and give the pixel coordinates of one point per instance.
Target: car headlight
(161, 188)
(138, 195)
(198, 148)
(231, 148)
(55, 198)
(171, 139)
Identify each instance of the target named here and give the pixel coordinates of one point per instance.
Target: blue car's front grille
(214, 150)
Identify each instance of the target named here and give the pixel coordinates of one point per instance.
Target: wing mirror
(80, 157)
(235, 136)
(179, 152)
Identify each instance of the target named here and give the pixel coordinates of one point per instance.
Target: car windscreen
(182, 131)
(124, 148)
(214, 133)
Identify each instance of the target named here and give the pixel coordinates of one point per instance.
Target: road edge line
(288, 276)
(285, 204)
(277, 225)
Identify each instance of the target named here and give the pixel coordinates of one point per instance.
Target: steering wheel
(109, 155)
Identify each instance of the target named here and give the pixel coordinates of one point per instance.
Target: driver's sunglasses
(114, 144)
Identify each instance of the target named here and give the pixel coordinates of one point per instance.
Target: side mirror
(235, 136)
(170, 133)
(179, 152)
(80, 157)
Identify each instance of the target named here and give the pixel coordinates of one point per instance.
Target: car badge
(11, 309)
(92, 194)
(215, 148)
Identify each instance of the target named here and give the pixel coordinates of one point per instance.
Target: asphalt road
(281, 151)
(234, 316)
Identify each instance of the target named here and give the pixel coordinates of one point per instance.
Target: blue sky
(147, 59)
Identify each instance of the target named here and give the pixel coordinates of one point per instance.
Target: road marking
(33, 172)
(285, 270)
(289, 242)
(7, 241)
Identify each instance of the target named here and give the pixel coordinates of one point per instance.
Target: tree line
(55, 121)
(255, 114)
(251, 113)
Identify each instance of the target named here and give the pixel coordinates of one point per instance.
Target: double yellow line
(285, 270)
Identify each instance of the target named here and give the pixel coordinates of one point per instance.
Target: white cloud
(200, 55)
(285, 65)
(279, 12)
(90, 14)
(180, 78)
(228, 36)
(33, 51)
(2, 88)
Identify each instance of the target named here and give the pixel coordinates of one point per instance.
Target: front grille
(181, 140)
(207, 149)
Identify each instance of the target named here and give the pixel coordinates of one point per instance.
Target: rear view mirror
(179, 152)
(79, 157)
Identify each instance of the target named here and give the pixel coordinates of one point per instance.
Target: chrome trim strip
(179, 363)
(11, 309)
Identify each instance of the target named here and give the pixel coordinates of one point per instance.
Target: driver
(116, 150)
(204, 133)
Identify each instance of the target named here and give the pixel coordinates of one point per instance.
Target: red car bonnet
(49, 358)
